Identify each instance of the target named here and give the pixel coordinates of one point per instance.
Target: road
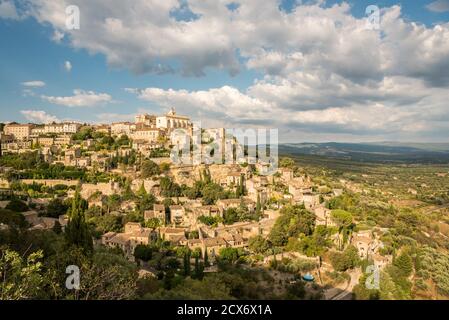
(355, 275)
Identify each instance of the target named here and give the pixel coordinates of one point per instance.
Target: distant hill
(373, 152)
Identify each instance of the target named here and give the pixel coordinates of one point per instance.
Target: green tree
(199, 269)
(153, 223)
(293, 221)
(206, 258)
(17, 205)
(258, 205)
(344, 221)
(142, 192)
(143, 252)
(57, 228)
(186, 259)
(148, 169)
(209, 221)
(210, 288)
(211, 193)
(77, 232)
(230, 255)
(56, 208)
(404, 263)
(259, 244)
(230, 216)
(286, 162)
(13, 219)
(20, 278)
(348, 259)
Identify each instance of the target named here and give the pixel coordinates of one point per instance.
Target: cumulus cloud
(149, 37)
(80, 98)
(396, 107)
(34, 84)
(38, 116)
(439, 6)
(8, 10)
(114, 117)
(322, 69)
(57, 36)
(68, 66)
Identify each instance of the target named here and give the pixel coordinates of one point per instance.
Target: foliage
(12, 219)
(295, 266)
(56, 207)
(206, 189)
(286, 162)
(143, 252)
(105, 223)
(259, 244)
(433, 264)
(233, 215)
(348, 259)
(17, 205)
(209, 221)
(210, 288)
(83, 134)
(145, 202)
(153, 223)
(169, 188)
(211, 193)
(342, 218)
(404, 263)
(230, 255)
(21, 277)
(149, 169)
(77, 232)
(293, 221)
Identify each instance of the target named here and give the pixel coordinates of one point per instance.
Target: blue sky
(29, 53)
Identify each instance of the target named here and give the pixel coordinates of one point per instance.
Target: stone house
(158, 212)
(134, 235)
(173, 235)
(177, 214)
(225, 204)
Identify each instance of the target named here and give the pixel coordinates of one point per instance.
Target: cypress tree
(199, 270)
(258, 205)
(206, 258)
(187, 263)
(76, 231)
(142, 192)
(242, 185)
(237, 190)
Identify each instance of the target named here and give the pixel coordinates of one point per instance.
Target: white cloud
(57, 36)
(34, 84)
(396, 107)
(439, 6)
(80, 98)
(68, 66)
(323, 71)
(38, 116)
(148, 38)
(114, 117)
(8, 10)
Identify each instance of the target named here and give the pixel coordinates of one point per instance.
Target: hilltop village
(140, 203)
